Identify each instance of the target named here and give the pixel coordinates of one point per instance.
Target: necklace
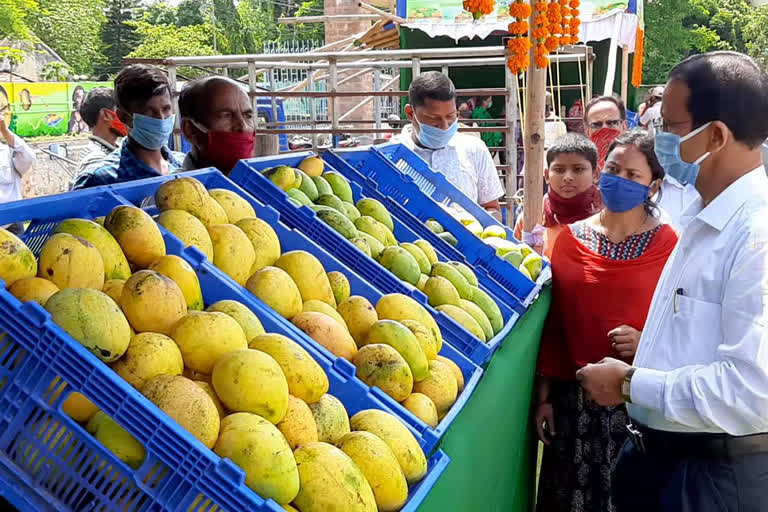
(602, 215)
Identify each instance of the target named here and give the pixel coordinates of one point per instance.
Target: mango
(275, 288)
(464, 319)
(330, 480)
(323, 187)
(187, 228)
(340, 186)
(374, 228)
(422, 282)
(340, 286)
(100, 220)
(305, 377)
(428, 251)
(493, 230)
(264, 241)
(490, 308)
(115, 263)
(361, 244)
(92, 319)
(251, 381)
(434, 226)
(441, 386)
(479, 316)
(374, 245)
(399, 337)
(424, 265)
(400, 262)
(234, 206)
(525, 250)
(259, 448)
(441, 291)
(298, 427)
(116, 439)
(332, 202)
(515, 258)
(282, 176)
(359, 315)
(351, 212)
(308, 187)
(373, 208)
(186, 403)
(533, 264)
(152, 302)
(183, 193)
(424, 336)
(309, 275)
(422, 407)
(299, 196)
(456, 278)
(312, 165)
(523, 270)
(399, 439)
(203, 338)
(184, 276)
(456, 371)
(465, 271)
(380, 468)
(448, 238)
(396, 306)
(327, 332)
(33, 289)
(475, 228)
(75, 405)
(247, 319)
(114, 288)
(206, 386)
(339, 222)
(233, 252)
(321, 307)
(331, 418)
(69, 261)
(149, 354)
(138, 235)
(382, 366)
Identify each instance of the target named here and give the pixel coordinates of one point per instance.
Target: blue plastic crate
(178, 468)
(381, 174)
(247, 174)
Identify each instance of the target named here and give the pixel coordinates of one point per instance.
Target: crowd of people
(652, 379)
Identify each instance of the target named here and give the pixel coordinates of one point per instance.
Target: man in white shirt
(432, 134)
(698, 390)
(16, 159)
(652, 111)
(98, 112)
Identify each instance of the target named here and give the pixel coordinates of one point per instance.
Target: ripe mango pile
(255, 397)
(452, 287)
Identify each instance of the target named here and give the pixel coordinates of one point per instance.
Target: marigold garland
(479, 8)
(574, 21)
(539, 34)
(519, 45)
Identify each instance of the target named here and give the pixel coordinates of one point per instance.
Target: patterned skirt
(576, 466)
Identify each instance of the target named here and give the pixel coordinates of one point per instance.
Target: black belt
(648, 441)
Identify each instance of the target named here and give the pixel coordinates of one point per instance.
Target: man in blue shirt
(143, 103)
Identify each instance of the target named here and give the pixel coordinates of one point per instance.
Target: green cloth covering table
(493, 454)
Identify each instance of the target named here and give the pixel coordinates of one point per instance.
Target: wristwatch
(626, 385)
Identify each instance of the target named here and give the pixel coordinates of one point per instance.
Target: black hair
(194, 97)
(728, 87)
(573, 143)
(96, 99)
(644, 143)
(74, 96)
(137, 83)
(613, 99)
(431, 85)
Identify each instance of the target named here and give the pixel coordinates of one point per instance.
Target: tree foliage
(14, 19)
(56, 72)
(118, 34)
(259, 22)
(79, 47)
(190, 12)
(160, 41)
(305, 31)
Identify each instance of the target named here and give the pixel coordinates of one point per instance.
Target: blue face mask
(436, 138)
(150, 132)
(621, 195)
(667, 149)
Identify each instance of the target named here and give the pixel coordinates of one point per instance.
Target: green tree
(161, 41)
(305, 31)
(14, 19)
(118, 36)
(190, 12)
(73, 29)
(160, 13)
(756, 35)
(56, 72)
(259, 22)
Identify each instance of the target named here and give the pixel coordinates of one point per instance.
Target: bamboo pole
(326, 18)
(624, 72)
(383, 14)
(370, 33)
(533, 140)
(511, 144)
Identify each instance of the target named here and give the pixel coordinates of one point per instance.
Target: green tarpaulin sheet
(493, 455)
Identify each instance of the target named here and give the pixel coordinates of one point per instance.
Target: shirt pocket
(695, 324)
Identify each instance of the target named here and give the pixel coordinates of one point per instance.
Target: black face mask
(465, 114)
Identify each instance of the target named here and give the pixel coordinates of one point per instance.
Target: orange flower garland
(575, 21)
(539, 34)
(519, 45)
(479, 8)
(565, 27)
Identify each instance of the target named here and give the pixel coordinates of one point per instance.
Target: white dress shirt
(16, 158)
(675, 198)
(466, 163)
(702, 362)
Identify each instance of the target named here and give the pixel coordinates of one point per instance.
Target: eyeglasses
(663, 126)
(613, 123)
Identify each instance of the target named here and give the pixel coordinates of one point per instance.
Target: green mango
(467, 272)
(421, 258)
(340, 186)
(323, 187)
(339, 222)
(374, 228)
(352, 213)
(441, 291)
(489, 307)
(435, 226)
(455, 277)
(361, 244)
(333, 202)
(374, 246)
(375, 209)
(308, 187)
(449, 238)
(299, 196)
(400, 262)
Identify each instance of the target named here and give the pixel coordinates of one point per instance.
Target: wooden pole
(511, 144)
(383, 14)
(624, 72)
(533, 186)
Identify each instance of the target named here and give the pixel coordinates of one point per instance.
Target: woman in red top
(605, 269)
